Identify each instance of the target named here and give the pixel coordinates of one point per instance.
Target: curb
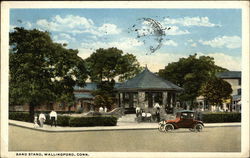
(103, 129)
(80, 130)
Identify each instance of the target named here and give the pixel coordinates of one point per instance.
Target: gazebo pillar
(121, 100)
(141, 98)
(171, 100)
(118, 99)
(164, 99)
(174, 99)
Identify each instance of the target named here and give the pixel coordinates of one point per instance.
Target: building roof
(85, 92)
(147, 80)
(229, 75)
(236, 97)
(83, 96)
(90, 86)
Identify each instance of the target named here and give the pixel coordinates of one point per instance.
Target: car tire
(168, 127)
(198, 127)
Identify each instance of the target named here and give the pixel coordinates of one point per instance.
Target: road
(217, 139)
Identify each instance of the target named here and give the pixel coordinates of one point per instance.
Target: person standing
(42, 119)
(36, 121)
(158, 114)
(105, 109)
(101, 109)
(137, 111)
(53, 117)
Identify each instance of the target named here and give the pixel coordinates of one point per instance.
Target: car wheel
(198, 127)
(169, 127)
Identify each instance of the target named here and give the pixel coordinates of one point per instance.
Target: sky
(210, 32)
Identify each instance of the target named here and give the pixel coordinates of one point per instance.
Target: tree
(190, 73)
(42, 71)
(105, 95)
(215, 90)
(106, 64)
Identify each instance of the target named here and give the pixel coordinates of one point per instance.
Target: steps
(128, 118)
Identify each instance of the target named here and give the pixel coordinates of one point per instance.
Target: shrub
(221, 117)
(92, 121)
(70, 121)
(61, 120)
(19, 116)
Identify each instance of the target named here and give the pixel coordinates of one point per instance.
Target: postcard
(125, 79)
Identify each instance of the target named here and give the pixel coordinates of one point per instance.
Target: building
(233, 104)
(146, 89)
(234, 79)
(85, 98)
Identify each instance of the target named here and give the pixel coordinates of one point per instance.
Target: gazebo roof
(147, 80)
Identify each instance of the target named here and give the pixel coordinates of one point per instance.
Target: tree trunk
(69, 109)
(31, 111)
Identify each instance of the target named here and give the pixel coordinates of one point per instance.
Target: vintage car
(184, 119)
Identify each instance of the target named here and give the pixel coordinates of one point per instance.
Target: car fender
(172, 123)
(198, 122)
(201, 123)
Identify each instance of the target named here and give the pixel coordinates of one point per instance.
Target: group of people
(42, 118)
(141, 112)
(101, 109)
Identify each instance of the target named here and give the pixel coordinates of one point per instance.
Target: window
(239, 91)
(239, 83)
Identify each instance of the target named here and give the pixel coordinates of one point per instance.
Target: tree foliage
(215, 90)
(105, 95)
(106, 64)
(190, 73)
(42, 71)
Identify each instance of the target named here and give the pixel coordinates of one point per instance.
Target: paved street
(217, 139)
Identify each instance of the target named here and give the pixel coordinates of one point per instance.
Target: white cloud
(72, 21)
(157, 61)
(190, 21)
(147, 29)
(11, 28)
(193, 45)
(84, 52)
(174, 30)
(62, 41)
(123, 44)
(191, 42)
(28, 24)
(67, 36)
(67, 23)
(63, 38)
(160, 60)
(224, 41)
(77, 24)
(109, 29)
(226, 61)
(170, 43)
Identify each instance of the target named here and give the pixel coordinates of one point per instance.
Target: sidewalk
(120, 126)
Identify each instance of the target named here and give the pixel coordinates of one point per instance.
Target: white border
(5, 6)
